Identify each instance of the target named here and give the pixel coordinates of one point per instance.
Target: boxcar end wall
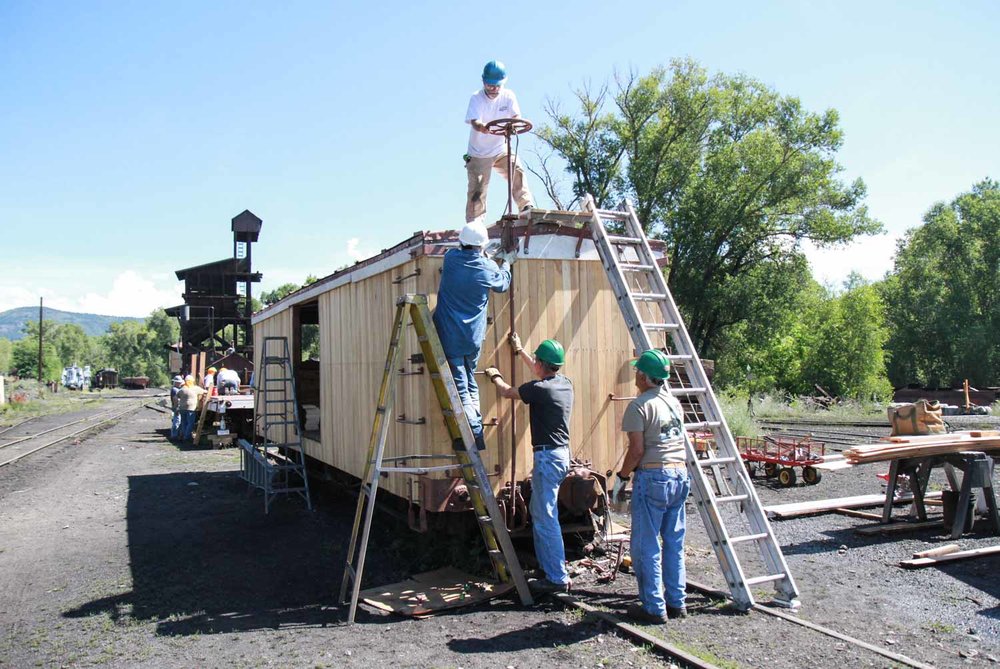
(555, 295)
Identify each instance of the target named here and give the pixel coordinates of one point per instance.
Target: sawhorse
(977, 473)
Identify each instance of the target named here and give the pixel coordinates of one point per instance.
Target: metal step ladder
(731, 510)
(275, 462)
(491, 521)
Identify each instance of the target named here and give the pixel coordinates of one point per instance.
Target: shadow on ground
(206, 559)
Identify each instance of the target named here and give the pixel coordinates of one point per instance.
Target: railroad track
(11, 427)
(15, 449)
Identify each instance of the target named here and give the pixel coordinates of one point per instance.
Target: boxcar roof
(546, 242)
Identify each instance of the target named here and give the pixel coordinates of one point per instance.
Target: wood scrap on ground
(918, 563)
(854, 513)
(795, 509)
(427, 593)
(905, 526)
(936, 552)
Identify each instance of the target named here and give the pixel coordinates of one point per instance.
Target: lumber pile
(894, 448)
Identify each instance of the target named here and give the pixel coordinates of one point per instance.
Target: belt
(664, 465)
(548, 447)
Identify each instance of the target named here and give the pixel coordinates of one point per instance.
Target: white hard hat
(473, 234)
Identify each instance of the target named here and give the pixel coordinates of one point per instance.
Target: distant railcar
(104, 378)
(135, 382)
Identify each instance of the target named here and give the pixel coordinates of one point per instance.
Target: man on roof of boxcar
(467, 278)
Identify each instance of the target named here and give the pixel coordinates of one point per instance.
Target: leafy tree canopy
(729, 173)
(944, 294)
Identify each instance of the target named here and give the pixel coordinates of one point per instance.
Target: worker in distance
(467, 279)
(655, 456)
(549, 397)
(488, 152)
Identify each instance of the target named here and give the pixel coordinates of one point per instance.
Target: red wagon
(778, 456)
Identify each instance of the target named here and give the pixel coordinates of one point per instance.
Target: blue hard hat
(495, 73)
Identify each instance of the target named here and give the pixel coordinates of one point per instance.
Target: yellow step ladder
(484, 503)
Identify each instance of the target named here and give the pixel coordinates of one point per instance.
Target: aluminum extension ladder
(636, 280)
(276, 465)
(491, 521)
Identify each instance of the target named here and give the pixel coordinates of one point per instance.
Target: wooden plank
(203, 399)
(918, 563)
(937, 552)
(795, 509)
(859, 514)
(427, 593)
(894, 528)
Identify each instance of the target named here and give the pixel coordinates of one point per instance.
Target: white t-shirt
(228, 376)
(484, 110)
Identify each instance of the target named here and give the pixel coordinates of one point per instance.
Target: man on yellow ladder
(550, 402)
(467, 279)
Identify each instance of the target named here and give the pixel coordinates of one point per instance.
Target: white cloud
(355, 252)
(871, 257)
(130, 292)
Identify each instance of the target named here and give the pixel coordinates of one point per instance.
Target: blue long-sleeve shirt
(460, 315)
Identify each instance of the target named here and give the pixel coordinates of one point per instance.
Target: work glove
(507, 257)
(493, 373)
(515, 342)
(618, 492)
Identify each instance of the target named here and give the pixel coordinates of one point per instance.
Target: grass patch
(28, 399)
(940, 627)
(776, 406)
(736, 409)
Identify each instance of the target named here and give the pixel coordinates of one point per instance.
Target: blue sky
(131, 133)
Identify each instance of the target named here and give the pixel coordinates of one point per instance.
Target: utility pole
(41, 301)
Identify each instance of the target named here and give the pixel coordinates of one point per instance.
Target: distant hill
(12, 321)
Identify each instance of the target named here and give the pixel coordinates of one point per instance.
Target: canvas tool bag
(921, 417)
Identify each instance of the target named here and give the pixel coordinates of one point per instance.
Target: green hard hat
(653, 363)
(552, 352)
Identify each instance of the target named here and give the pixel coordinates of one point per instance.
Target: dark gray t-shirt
(550, 403)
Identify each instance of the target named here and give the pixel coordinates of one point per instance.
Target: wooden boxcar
(559, 290)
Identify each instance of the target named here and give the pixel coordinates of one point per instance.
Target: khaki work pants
(479, 170)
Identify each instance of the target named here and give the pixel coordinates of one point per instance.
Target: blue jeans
(187, 423)
(658, 525)
(463, 369)
(550, 469)
(175, 424)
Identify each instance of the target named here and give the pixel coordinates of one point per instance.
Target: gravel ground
(125, 550)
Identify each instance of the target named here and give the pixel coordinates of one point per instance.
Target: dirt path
(127, 551)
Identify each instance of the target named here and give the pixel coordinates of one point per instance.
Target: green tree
(162, 331)
(845, 341)
(944, 294)
(730, 174)
(24, 359)
(282, 291)
(6, 348)
(72, 344)
(129, 346)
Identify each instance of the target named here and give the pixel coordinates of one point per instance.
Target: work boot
(673, 613)
(637, 613)
(543, 586)
(480, 442)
